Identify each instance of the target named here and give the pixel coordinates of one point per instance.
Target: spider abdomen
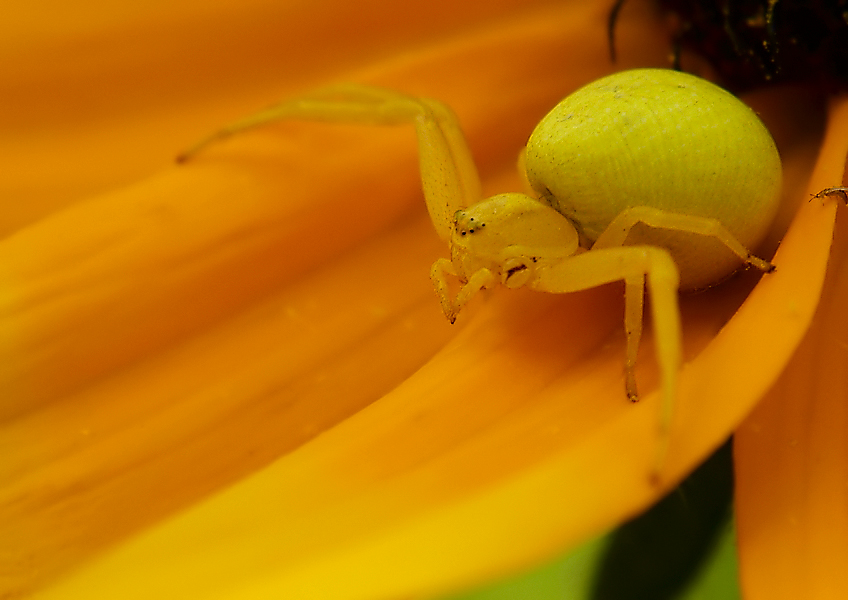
(667, 140)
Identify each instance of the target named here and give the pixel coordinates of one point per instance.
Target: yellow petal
(792, 451)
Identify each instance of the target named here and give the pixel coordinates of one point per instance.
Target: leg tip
(630, 384)
(758, 263)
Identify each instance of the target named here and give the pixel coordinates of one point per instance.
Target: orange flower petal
(111, 280)
(792, 451)
(487, 458)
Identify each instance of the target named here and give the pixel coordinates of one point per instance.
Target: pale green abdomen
(664, 139)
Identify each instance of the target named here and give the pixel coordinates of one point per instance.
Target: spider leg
(634, 301)
(448, 173)
(616, 232)
(636, 265)
(438, 274)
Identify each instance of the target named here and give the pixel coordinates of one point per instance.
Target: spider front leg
(479, 280)
(448, 174)
(635, 265)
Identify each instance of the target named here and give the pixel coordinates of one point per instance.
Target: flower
(231, 379)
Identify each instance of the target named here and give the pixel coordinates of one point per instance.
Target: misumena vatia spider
(648, 176)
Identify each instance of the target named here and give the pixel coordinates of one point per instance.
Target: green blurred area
(683, 548)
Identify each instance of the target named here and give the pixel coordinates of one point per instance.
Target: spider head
(493, 233)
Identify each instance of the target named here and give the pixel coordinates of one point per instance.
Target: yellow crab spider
(649, 176)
